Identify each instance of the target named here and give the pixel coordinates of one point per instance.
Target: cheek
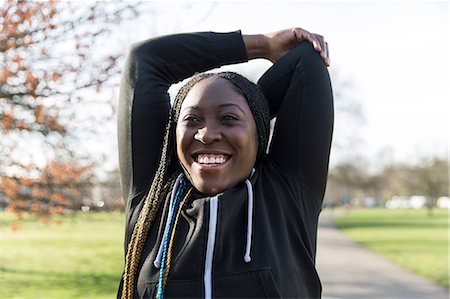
(255, 139)
(249, 141)
(255, 147)
(180, 140)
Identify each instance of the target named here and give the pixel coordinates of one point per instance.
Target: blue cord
(174, 208)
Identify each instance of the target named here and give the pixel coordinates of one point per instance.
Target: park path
(349, 271)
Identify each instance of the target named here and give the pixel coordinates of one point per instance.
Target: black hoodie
(271, 217)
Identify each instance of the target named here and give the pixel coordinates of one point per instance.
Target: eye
(190, 118)
(229, 117)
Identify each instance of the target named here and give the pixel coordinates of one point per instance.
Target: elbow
(135, 55)
(136, 59)
(135, 51)
(142, 51)
(142, 58)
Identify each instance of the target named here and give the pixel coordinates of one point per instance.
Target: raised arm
(299, 92)
(151, 67)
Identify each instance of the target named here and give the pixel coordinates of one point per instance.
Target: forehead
(214, 92)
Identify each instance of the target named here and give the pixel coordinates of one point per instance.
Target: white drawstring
(247, 257)
(157, 261)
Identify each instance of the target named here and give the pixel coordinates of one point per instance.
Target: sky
(390, 66)
(390, 62)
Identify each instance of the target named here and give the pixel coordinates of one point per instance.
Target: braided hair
(169, 168)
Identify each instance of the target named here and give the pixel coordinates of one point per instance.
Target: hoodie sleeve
(150, 69)
(298, 90)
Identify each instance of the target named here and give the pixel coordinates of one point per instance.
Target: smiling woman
(212, 211)
(216, 134)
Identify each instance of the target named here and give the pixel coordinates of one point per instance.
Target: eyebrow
(195, 107)
(230, 104)
(192, 107)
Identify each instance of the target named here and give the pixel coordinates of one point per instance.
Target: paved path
(348, 271)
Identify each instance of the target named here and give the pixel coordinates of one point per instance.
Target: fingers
(327, 55)
(280, 42)
(317, 40)
(320, 40)
(302, 35)
(324, 48)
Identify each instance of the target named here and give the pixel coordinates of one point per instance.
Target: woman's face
(216, 136)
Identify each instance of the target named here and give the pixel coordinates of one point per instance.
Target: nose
(208, 134)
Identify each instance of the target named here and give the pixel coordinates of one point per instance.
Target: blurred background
(60, 200)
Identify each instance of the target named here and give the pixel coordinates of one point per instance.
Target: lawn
(81, 256)
(410, 238)
(78, 256)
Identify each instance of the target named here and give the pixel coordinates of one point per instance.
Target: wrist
(256, 46)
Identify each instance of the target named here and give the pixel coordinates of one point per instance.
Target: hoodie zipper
(213, 208)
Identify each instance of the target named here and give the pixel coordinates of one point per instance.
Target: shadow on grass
(393, 220)
(81, 283)
(376, 223)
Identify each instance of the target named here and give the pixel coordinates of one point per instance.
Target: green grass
(409, 238)
(82, 257)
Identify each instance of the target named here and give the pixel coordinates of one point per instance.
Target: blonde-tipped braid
(146, 216)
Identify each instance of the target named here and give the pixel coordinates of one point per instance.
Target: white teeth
(211, 159)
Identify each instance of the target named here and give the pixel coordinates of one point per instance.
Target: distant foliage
(352, 180)
(47, 63)
(57, 190)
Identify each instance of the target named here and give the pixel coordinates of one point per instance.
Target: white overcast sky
(394, 53)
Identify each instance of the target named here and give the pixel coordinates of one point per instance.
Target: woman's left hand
(281, 42)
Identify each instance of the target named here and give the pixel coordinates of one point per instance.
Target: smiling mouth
(211, 159)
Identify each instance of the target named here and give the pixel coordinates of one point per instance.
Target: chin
(210, 189)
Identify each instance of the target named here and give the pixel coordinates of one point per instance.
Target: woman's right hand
(281, 42)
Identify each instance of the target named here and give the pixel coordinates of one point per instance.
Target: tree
(346, 181)
(349, 118)
(59, 188)
(431, 179)
(350, 179)
(108, 191)
(49, 65)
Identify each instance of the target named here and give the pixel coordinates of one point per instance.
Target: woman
(211, 209)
